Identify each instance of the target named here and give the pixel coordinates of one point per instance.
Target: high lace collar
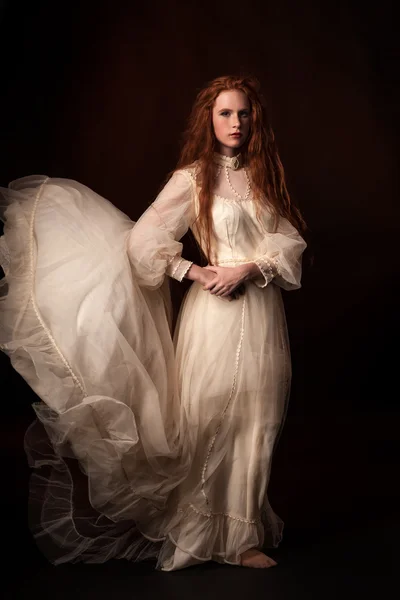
(233, 162)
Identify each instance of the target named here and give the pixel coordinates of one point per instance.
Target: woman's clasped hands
(225, 282)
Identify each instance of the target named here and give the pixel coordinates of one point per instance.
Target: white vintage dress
(174, 434)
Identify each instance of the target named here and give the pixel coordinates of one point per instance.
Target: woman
(178, 438)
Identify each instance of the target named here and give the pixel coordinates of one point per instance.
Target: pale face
(231, 121)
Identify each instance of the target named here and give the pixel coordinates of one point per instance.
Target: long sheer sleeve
(279, 257)
(153, 246)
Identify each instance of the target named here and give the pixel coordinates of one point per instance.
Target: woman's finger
(210, 284)
(216, 290)
(222, 290)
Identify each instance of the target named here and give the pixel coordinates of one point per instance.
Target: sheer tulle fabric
(147, 446)
(104, 371)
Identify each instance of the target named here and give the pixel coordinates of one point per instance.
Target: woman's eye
(226, 113)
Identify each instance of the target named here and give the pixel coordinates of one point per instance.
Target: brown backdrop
(101, 94)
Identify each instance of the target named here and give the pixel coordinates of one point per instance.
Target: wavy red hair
(259, 152)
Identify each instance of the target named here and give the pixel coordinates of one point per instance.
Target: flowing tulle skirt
(145, 446)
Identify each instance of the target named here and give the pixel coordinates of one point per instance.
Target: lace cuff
(178, 268)
(269, 269)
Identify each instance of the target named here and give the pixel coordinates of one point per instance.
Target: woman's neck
(226, 151)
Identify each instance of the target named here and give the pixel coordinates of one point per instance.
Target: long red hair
(259, 153)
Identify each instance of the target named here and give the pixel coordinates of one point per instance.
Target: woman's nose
(235, 121)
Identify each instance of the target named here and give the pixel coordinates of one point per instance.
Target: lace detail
(180, 269)
(240, 261)
(211, 515)
(269, 269)
(191, 172)
(233, 200)
(212, 443)
(186, 269)
(180, 261)
(232, 162)
(33, 296)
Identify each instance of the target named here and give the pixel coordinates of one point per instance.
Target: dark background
(100, 92)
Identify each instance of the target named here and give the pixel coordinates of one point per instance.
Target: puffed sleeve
(279, 257)
(153, 245)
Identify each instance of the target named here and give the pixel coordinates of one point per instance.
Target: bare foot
(256, 559)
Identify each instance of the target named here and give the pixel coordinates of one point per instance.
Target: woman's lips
(235, 135)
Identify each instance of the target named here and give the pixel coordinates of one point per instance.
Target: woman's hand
(204, 276)
(226, 280)
(209, 277)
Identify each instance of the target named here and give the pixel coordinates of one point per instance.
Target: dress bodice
(237, 230)
(243, 231)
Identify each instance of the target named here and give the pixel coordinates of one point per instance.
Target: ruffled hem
(200, 537)
(67, 528)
